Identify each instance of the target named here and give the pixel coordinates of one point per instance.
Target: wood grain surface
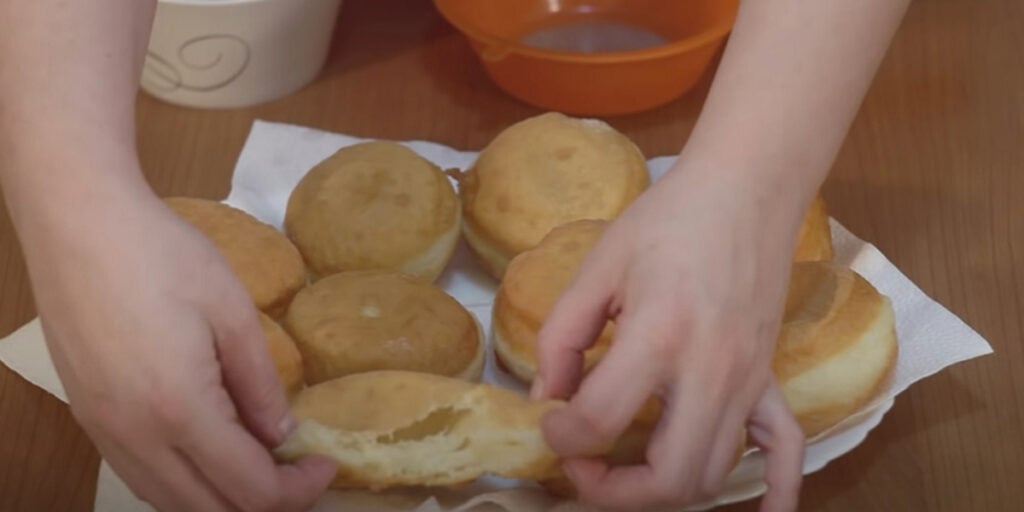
(932, 173)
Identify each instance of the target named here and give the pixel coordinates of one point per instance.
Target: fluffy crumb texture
(404, 429)
(837, 347)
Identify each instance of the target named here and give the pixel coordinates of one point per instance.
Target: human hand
(163, 359)
(694, 275)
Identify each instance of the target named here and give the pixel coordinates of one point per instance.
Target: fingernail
(286, 426)
(325, 464)
(571, 471)
(537, 391)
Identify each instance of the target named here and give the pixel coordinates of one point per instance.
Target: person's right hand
(163, 360)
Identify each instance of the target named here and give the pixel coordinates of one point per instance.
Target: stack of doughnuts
(383, 367)
(543, 172)
(367, 231)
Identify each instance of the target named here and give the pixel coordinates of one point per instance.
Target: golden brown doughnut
(391, 428)
(286, 357)
(375, 206)
(815, 238)
(265, 261)
(356, 322)
(533, 283)
(543, 172)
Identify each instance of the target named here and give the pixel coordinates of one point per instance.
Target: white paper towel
(276, 156)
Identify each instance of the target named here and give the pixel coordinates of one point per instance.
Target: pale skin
(163, 359)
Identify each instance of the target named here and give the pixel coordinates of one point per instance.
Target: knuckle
(788, 431)
(794, 436)
(268, 395)
(712, 485)
(169, 411)
(262, 492)
(673, 487)
(262, 499)
(663, 345)
(794, 441)
(670, 495)
(599, 426)
(264, 407)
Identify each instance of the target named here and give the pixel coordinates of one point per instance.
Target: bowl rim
(504, 46)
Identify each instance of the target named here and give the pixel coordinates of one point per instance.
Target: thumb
(573, 326)
(305, 481)
(249, 373)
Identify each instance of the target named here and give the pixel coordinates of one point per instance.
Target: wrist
(760, 158)
(70, 196)
(788, 187)
(763, 202)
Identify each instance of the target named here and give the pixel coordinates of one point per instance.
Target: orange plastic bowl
(594, 57)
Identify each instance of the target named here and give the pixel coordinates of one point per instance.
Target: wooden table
(932, 173)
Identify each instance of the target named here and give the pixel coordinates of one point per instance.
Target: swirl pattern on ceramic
(201, 64)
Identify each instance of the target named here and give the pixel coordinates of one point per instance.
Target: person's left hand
(694, 275)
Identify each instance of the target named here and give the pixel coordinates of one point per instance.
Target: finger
(609, 397)
(153, 473)
(244, 471)
(776, 431)
(725, 452)
(677, 453)
(188, 485)
(166, 481)
(305, 481)
(575, 321)
(132, 473)
(249, 373)
(631, 487)
(730, 438)
(677, 456)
